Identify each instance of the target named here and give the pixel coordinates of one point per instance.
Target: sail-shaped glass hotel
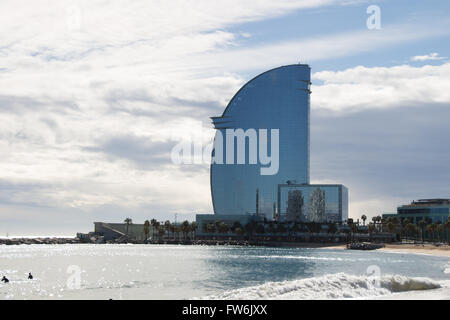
(277, 100)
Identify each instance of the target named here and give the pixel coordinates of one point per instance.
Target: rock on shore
(48, 240)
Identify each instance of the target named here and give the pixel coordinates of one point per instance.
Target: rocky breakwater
(48, 240)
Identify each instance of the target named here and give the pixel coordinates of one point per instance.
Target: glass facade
(430, 214)
(429, 210)
(276, 99)
(312, 203)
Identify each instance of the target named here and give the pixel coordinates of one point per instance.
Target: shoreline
(427, 249)
(433, 294)
(443, 250)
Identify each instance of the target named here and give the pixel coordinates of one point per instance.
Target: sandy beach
(443, 250)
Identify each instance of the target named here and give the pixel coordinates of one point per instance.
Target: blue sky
(93, 95)
(338, 18)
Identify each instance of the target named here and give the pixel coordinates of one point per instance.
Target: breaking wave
(332, 286)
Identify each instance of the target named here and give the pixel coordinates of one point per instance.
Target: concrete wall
(135, 230)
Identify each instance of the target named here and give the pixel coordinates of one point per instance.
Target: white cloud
(381, 87)
(318, 47)
(76, 75)
(136, 72)
(431, 56)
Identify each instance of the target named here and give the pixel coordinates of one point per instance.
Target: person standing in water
(30, 276)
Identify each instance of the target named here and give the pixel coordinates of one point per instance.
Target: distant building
(278, 101)
(317, 206)
(294, 209)
(320, 202)
(229, 219)
(429, 210)
(112, 231)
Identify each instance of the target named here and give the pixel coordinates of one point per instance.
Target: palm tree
(146, 229)
(128, 221)
(194, 227)
(157, 226)
(167, 226)
(210, 228)
(239, 232)
(185, 228)
(223, 227)
(403, 226)
(153, 223)
(371, 228)
(383, 224)
(236, 225)
(379, 220)
(431, 228)
(440, 229)
(172, 229)
(395, 220)
(447, 226)
(364, 218)
(217, 225)
(250, 228)
(391, 227)
(410, 228)
(422, 225)
(354, 229)
(161, 232)
(374, 220)
(177, 230)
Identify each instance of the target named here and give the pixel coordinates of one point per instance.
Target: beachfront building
(261, 155)
(312, 203)
(429, 210)
(111, 231)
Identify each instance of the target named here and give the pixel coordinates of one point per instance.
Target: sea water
(89, 271)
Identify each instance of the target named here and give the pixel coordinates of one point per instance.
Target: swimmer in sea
(30, 276)
(5, 279)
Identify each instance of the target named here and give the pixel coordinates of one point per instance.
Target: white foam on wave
(332, 286)
(447, 269)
